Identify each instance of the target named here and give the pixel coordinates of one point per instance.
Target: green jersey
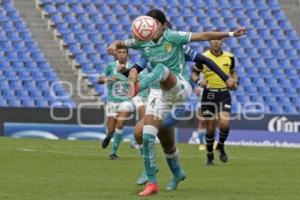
(144, 93)
(168, 51)
(117, 90)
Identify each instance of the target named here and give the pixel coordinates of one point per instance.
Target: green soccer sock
(117, 141)
(149, 136)
(159, 73)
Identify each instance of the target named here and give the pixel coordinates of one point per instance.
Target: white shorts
(113, 108)
(160, 103)
(138, 101)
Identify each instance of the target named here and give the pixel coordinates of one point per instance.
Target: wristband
(230, 34)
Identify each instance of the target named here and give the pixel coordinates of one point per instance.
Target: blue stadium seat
(264, 90)
(16, 84)
(77, 9)
(259, 62)
(292, 35)
(285, 25)
(290, 91)
(88, 68)
(277, 91)
(89, 48)
(50, 9)
(186, 12)
(292, 73)
(28, 103)
(70, 18)
(225, 13)
(276, 109)
(245, 43)
(64, 9)
(279, 34)
(266, 14)
(290, 110)
(63, 28)
(271, 100)
(296, 63)
(14, 103)
(278, 53)
(279, 15)
(271, 81)
(42, 103)
(295, 100)
(258, 82)
(95, 58)
(124, 20)
(265, 53)
(292, 53)
(252, 53)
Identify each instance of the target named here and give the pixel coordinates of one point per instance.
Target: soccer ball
(144, 28)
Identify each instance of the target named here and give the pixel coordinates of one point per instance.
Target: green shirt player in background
(118, 104)
(166, 56)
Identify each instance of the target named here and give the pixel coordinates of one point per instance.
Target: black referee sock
(223, 136)
(210, 139)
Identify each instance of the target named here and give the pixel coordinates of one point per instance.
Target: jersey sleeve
(180, 37)
(107, 70)
(132, 43)
(189, 54)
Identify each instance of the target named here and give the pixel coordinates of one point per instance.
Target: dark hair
(169, 24)
(122, 47)
(158, 15)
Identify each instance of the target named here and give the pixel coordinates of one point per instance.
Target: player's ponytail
(158, 15)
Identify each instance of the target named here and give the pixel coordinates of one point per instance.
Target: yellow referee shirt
(225, 62)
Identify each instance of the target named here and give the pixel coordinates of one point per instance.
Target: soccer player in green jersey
(118, 104)
(166, 56)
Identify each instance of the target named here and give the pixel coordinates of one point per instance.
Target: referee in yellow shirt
(216, 98)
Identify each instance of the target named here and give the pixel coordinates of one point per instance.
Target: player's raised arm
(216, 35)
(112, 48)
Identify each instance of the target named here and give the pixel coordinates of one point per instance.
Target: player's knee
(169, 149)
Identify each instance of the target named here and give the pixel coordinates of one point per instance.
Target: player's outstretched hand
(230, 83)
(239, 32)
(112, 49)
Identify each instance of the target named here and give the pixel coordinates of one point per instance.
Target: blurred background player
(216, 99)
(201, 129)
(118, 104)
(139, 101)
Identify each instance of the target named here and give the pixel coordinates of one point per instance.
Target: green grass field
(80, 170)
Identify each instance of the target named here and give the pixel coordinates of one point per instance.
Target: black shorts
(215, 101)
